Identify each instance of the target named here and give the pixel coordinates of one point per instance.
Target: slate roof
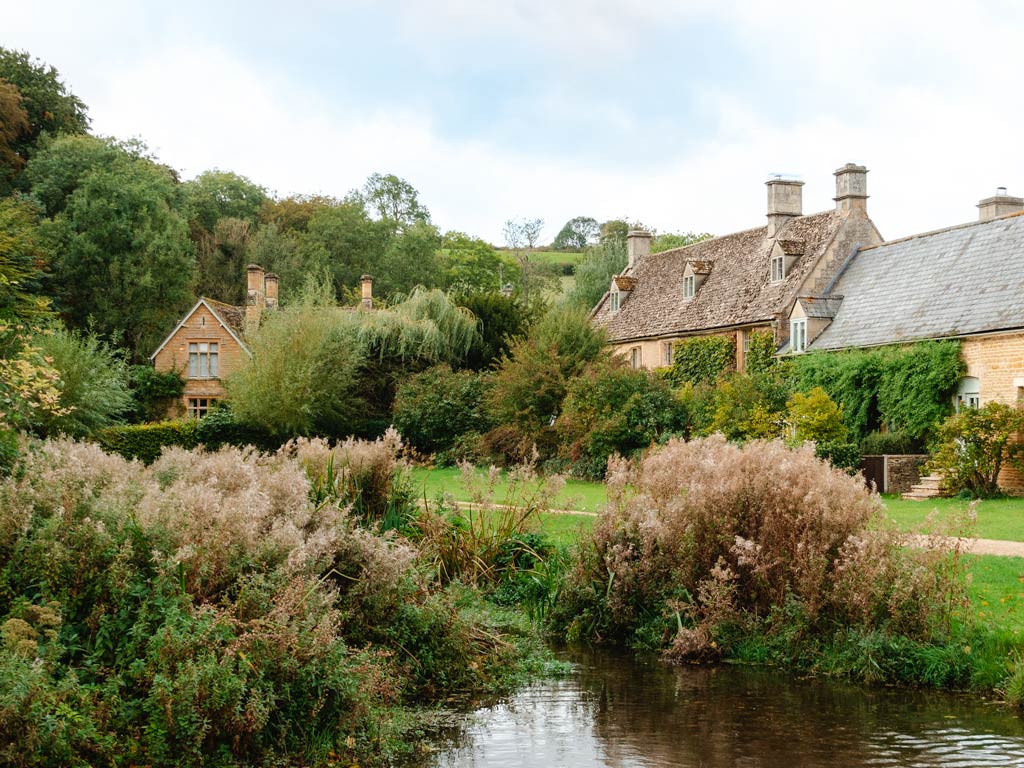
(954, 282)
(820, 306)
(736, 291)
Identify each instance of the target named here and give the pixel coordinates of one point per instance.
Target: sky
(668, 112)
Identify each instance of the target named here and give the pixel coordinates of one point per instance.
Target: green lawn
(577, 495)
(997, 591)
(997, 518)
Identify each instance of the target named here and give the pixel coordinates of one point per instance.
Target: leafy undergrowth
(763, 554)
(229, 608)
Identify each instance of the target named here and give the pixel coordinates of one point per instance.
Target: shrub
(500, 321)
(612, 408)
(707, 539)
(702, 359)
(93, 383)
(815, 417)
(214, 612)
(881, 443)
(220, 427)
(434, 407)
(153, 391)
(974, 446)
(146, 441)
(743, 407)
(302, 374)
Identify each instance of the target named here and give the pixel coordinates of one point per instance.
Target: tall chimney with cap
(638, 246)
(999, 205)
(367, 286)
(254, 298)
(270, 286)
(785, 201)
(851, 188)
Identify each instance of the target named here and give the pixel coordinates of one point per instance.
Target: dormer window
(616, 301)
(798, 335)
(778, 267)
(689, 287)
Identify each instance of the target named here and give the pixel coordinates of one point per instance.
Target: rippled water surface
(615, 711)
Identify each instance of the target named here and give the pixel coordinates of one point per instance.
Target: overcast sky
(673, 113)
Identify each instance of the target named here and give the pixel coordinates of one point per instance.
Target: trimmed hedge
(218, 428)
(146, 441)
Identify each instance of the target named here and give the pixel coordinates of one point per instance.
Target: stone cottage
(208, 345)
(739, 283)
(964, 282)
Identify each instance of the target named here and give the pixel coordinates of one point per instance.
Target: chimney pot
(366, 282)
(270, 283)
(254, 299)
(785, 200)
(851, 188)
(638, 246)
(999, 205)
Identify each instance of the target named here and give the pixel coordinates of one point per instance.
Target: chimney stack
(999, 205)
(785, 201)
(851, 188)
(254, 299)
(270, 286)
(638, 246)
(367, 286)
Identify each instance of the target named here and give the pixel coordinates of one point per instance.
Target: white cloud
(925, 97)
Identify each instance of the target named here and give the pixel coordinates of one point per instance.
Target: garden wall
(893, 473)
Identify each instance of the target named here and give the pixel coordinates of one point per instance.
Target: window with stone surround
(798, 334)
(636, 357)
(667, 350)
(778, 268)
(689, 287)
(203, 359)
(968, 394)
(200, 406)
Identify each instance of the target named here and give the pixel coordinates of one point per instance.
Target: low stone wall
(900, 472)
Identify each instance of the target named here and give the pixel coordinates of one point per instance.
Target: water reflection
(622, 713)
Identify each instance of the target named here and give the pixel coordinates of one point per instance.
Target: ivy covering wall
(906, 389)
(702, 359)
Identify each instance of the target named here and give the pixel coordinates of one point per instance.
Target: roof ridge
(682, 248)
(943, 230)
(219, 303)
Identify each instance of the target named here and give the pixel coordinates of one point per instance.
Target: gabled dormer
(694, 275)
(618, 292)
(784, 255)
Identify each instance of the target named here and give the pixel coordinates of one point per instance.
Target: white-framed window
(667, 352)
(200, 406)
(778, 268)
(616, 301)
(798, 334)
(968, 394)
(689, 286)
(636, 357)
(203, 360)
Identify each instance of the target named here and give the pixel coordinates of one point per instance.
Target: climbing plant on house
(702, 359)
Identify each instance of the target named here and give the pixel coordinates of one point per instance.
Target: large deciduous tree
(14, 125)
(577, 233)
(394, 200)
(23, 256)
(215, 195)
(49, 105)
(124, 263)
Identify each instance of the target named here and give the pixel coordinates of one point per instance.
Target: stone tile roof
(958, 281)
(233, 317)
(736, 290)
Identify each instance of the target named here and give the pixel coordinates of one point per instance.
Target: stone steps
(930, 487)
